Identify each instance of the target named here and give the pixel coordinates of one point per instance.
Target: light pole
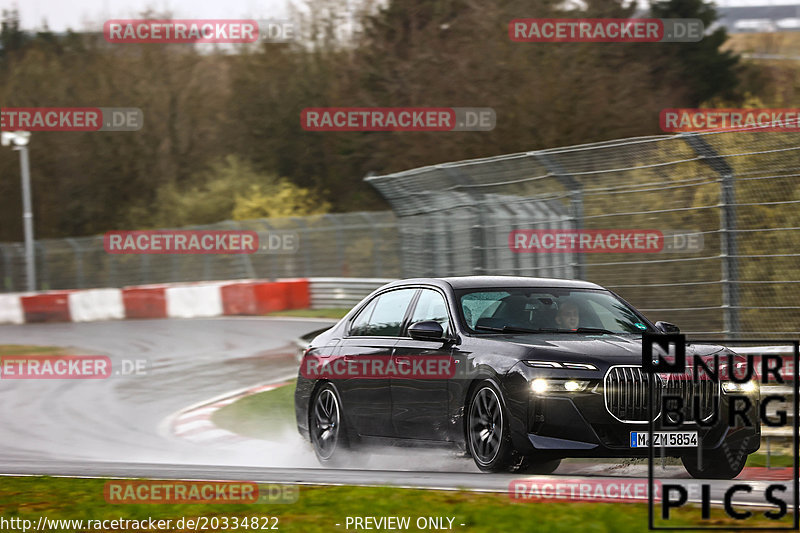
(20, 141)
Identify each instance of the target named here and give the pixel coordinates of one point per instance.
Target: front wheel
(714, 464)
(487, 432)
(326, 427)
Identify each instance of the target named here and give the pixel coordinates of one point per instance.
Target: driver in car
(568, 316)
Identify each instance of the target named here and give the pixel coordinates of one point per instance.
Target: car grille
(704, 392)
(626, 393)
(626, 389)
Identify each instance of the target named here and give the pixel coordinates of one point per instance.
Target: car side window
(432, 306)
(361, 322)
(386, 316)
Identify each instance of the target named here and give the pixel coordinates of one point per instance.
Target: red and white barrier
(179, 300)
(46, 307)
(148, 301)
(194, 301)
(11, 309)
(95, 304)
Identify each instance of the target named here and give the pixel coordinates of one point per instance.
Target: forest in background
(222, 136)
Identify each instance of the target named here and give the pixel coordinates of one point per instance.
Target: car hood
(609, 349)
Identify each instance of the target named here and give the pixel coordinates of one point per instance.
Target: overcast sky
(90, 14)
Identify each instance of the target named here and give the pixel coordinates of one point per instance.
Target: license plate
(669, 439)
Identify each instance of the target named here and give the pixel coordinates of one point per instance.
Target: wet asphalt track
(114, 427)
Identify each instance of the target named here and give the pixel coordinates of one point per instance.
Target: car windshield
(549, 310)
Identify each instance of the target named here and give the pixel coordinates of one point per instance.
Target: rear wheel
(488, 439)
(326, 427)
(714, 465)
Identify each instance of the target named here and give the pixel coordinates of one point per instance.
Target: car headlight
(558, 364)
(543, 386)
(748, 387)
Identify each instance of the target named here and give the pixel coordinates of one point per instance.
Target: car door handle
(403, 360)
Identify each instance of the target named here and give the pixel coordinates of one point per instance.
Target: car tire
(715, 465)
(530, 465)
(486, 429)
(326, 427)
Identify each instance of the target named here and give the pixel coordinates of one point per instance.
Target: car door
(372, 335)
(420, 403)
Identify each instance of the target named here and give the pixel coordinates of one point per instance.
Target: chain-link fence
(737, 191)
(350, 245)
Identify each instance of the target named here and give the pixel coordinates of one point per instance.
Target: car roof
(484, 282)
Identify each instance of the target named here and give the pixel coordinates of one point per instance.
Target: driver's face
(568, 317)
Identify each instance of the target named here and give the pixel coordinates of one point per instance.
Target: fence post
(76, 248)
(339, 243)
(376, 254)
(8, 273)
(478, 243)
(270, 260)
(44, 279)
(244, 259)
(304, 244)
(727, 218)
(576, 201)
(145, 275)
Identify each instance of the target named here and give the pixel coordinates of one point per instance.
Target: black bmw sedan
(516, 372)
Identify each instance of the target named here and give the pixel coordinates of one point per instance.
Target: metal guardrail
(342, 292)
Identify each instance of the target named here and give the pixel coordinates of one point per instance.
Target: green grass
(24, 349)
(333, 312)
(319, 509)
(264, 415)
(775, 460)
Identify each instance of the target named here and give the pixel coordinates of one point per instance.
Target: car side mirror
(426, 330)
(666, 327)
